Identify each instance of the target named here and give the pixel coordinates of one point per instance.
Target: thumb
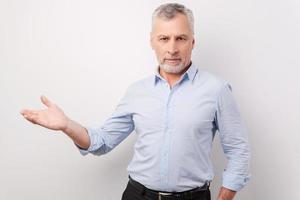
(46, 101)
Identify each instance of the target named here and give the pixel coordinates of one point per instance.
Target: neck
(172, 78)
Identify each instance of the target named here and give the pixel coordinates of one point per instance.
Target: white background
(84, 54)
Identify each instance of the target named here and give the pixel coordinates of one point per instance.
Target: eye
(181, 38)
(163, 38)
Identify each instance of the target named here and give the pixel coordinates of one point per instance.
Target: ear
(193, 42)
(151, 40)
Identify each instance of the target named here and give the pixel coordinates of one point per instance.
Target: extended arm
(54, 118)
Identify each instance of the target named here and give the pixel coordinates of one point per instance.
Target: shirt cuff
(233, 181)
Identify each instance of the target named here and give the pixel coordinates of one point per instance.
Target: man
(175, 113)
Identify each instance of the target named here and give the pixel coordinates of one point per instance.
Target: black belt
(168, 195)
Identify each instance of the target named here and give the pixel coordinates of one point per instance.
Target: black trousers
(133, 193)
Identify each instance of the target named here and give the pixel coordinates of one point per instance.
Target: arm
(54, 118)
(226, 194)
(114, 130)
(97, 141)
(78, 134)
(235, 144)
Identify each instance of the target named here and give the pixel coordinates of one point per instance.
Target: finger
(32, 117)
(23, 111)
(46, 101)
(28, 112)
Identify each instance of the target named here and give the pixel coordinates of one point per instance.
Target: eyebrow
(181, 35)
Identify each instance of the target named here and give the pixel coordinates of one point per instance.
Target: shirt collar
(189, 74)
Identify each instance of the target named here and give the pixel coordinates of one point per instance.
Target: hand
(226, 194)
(52, 117)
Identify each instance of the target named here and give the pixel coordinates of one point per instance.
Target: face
(173, 41)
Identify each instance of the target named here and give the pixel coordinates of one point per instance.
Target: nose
(172, 47)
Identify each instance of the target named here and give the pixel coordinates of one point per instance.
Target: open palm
(52, 117)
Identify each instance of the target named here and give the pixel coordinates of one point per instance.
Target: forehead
(178, 25)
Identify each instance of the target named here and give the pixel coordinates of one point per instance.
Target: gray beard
(172, 69)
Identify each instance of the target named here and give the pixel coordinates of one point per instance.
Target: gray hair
(170, 10)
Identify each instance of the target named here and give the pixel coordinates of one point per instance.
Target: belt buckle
(161, 194)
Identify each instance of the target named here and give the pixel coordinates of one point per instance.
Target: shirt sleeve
(234, 141)
(114, 130)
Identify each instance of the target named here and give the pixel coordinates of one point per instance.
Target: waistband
(173, 195)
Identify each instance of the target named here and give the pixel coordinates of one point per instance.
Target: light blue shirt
(175, 128)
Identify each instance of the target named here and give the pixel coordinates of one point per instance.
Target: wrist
(226, 194)
(66, 126)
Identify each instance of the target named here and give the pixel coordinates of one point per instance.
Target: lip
(173, 60)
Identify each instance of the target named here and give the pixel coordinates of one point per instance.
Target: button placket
(167, 138)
